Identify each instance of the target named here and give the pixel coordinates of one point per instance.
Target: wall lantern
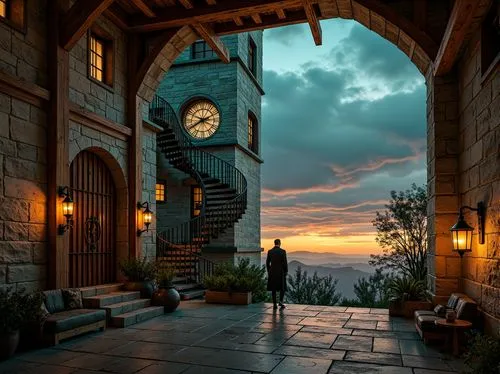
(461, 232)
(147, 216)
(67, 208)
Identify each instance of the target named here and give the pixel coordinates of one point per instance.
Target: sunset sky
(342, 125)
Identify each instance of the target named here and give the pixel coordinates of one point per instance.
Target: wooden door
(92, 254)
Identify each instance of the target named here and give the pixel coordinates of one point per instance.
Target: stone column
(444, 266)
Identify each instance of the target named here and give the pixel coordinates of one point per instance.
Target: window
(201, 49)
(101, 58)
(196, 201)
(160, 192)
(252, 57)
(252, 133)
(490, 39)
(13, 12)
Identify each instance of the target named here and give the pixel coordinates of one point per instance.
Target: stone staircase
(187, 289)
(123, 308)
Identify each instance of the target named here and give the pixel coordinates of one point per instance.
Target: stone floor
(204, 338)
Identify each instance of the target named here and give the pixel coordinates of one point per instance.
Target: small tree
(402, 234)
(313, 290)
(371, 292)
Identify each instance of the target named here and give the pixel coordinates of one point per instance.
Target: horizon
(343, 124)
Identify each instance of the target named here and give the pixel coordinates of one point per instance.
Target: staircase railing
(199, 164)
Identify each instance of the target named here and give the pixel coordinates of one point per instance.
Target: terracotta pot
(169, 298)
(411, 306)
(224, 297)
(8, 344)
(146, 288)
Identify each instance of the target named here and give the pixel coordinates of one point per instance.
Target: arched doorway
(92, 248)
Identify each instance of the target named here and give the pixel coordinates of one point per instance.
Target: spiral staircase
(224, 192)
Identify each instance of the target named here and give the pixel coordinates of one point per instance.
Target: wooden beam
(204, 13)
(238, 21)
(420, 13)
(256, 18)
(116, 15)
(313, 21)
(429, 46)
(57, 144)
(281, 13)
(186, 4)
(144, 8)
(211, 2)
(459, 22)
(76, 21)
(208, 34)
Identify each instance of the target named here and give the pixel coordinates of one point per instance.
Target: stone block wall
(257, 38)
(23, 194)
(149, 189)
(479, 166)
(108, 102)
(230, 41)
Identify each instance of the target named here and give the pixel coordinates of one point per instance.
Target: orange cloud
(307, 190)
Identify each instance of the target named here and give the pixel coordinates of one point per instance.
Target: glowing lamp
(461, 232)
(147, 217)
(68, 207)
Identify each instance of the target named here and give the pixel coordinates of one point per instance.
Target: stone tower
(234, 90)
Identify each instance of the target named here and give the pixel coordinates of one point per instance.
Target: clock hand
(195, 124)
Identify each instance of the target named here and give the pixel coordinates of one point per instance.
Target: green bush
(137, 270)
(407, 289)
(483, 356)
(165, 276)
(314, 290)
(242, 277)
(17, 309)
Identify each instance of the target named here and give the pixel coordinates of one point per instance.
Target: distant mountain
(367, 268)
(330, 259)
(346, 275)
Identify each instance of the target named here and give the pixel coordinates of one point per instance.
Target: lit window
(96, 58)
(196, 201)
(252, 57)
(160, 192)
(3, 8)
(101, 57)
(252, 133)
(201, 49)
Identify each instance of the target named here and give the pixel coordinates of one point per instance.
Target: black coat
(277, 269)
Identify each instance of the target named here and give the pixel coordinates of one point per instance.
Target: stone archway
(442, 123)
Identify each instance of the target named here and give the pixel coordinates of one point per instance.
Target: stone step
(100, 289)
(114, 310)
(136, 316)
(181, 287)
(192, 294)
(100, 301)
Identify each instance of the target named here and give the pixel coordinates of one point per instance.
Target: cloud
(285, 34)
(338, 134)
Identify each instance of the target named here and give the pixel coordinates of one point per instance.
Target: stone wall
(479, 166)
(149, 188)
(108, 102)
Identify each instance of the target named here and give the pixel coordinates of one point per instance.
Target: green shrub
(165, 276)
(137, 270)
(17, 309)
(314, 290)
(242, 277)
(407, 289)
(483, 356)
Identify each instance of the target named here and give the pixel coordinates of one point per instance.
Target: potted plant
(166, 295)
(483, 354)
(235, 284)
(140, 274)
(406, 296)
(12, 319)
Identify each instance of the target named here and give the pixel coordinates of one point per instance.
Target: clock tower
(218, 107)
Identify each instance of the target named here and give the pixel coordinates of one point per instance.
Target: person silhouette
(277, 271)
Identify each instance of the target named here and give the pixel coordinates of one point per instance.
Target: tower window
(201, 49)
(100, 58)
(196, 201)
(252, 133)
(252, 56)
(13, 12)
(160, 192)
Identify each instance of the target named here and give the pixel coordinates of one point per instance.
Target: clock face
(201, 119)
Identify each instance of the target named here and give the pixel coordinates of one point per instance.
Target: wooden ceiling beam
(293, 17)
(144, 8)
(280, 13)
(238, 21)
(459, 22)
(420, 13)
(188, 4)
(76, 20)
(208, 34)
(256, 18)
(211, 2)
(116, 15)
(313, 21)
(204, 13)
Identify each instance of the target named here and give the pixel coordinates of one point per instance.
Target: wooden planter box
(223, 297)
(407, 308)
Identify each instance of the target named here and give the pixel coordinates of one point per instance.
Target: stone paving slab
(226, 339)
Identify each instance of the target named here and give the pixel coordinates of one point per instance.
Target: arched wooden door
(92, 252)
